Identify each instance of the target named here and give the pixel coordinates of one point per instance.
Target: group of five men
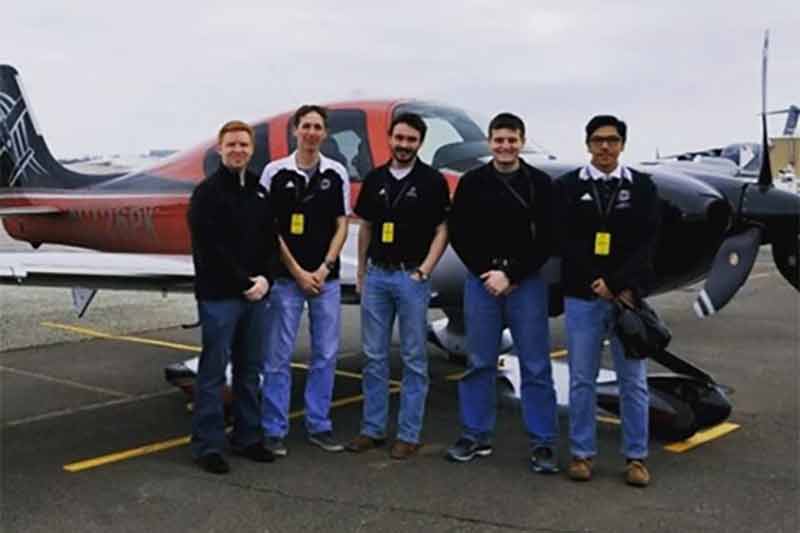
(505, 220)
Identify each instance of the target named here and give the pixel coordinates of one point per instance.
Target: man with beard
(233, 244)
(403, 206)
(500, 228)
(310, 193)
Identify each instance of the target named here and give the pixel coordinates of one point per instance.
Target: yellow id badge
(602, 243)
(387, 232)
(298, 224)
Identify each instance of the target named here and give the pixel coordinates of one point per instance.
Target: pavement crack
(389, 508)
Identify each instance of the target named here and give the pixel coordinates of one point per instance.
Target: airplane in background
(133, 226)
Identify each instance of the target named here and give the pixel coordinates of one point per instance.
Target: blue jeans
(525, 312)
(588, 323)
(282, 323)
(232, 331)
(386, 294)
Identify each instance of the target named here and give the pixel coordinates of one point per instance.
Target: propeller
(765, 176)
(729, 270)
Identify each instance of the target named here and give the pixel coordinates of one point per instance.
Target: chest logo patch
(325, 184)
(586, 197)
(290, 185)
(412, 193)
(624, 195)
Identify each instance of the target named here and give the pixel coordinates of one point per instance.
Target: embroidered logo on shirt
(260, 194)
(624, 195)
(290, 185)
(325, 184)
(586, 197)
(412, 193)
(382, 192)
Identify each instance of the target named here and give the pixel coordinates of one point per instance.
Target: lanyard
(611, 201)
(514, 193)
(393, 204)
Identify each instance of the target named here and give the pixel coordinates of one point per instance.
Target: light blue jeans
(525, 312)
(386, 294)
(588, 323)
(282, 323)
(232, 331)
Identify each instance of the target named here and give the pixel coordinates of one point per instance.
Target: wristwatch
(330, 265)
(422, 275)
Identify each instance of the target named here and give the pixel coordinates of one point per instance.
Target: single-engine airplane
(134, 229)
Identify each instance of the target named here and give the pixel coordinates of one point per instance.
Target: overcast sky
(123, 77)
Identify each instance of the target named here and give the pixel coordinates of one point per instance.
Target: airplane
(133, 226)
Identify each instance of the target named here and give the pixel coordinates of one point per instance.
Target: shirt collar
(325, 163)
(592, 172)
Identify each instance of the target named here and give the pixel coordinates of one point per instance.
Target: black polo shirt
(404, 213)
(306, 209)
(632, 222)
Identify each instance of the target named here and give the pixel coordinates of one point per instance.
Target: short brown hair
(236, 125)
(304, 110)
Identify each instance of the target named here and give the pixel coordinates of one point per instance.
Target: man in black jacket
(233, 243)
(608, 220)
(500, 227)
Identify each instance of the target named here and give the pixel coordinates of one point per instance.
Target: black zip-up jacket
(233, 234)
(633, 224)
(490, 229)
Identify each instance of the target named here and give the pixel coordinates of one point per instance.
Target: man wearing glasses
(608, 220)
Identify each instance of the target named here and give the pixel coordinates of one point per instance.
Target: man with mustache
(403, 206)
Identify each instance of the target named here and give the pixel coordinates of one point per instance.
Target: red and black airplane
(134, 226)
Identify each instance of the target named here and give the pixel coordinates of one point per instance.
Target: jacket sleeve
(463, 226)
(207, 239)
(636, 273)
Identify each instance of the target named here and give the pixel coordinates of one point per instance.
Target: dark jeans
(233, 331)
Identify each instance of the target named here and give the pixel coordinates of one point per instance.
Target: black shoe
(544, 460)
(214, 463)
(255, 452)
(467, 449)
(325, 440)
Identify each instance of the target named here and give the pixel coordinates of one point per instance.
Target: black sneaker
(254, 452)
(276, 446)
(325, 440)
(466, 449)
(214, 463)
(544, 460)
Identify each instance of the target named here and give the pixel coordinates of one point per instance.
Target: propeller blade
(765, 175)
(729, 271)
(785, 254)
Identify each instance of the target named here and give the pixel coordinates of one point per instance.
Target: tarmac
(94, 439)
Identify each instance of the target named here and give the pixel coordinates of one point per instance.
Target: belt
(406, 266)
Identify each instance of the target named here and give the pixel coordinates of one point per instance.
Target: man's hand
(600, 288)
(258, 290)
(495, 282)
(626, 296)
(321, 274)
(359, 281)
(307, 282)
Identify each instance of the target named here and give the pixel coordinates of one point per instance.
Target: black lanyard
(403, 190)
(604, 213)
(520, 199)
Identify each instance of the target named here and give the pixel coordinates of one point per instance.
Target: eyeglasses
(611, 140)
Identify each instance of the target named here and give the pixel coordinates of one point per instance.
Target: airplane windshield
(454, 139)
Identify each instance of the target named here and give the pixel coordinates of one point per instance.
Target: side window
(211, 161)
(347, 141)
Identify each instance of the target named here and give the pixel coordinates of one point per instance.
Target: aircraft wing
(98, 270)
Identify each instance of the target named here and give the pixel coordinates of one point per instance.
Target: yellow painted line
(167, 344)
(701, 437)
(66, 382)
(181, 441)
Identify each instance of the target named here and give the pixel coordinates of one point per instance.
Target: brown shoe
(362, 443)
(580, 469)
(404, 450)
(636, 474)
